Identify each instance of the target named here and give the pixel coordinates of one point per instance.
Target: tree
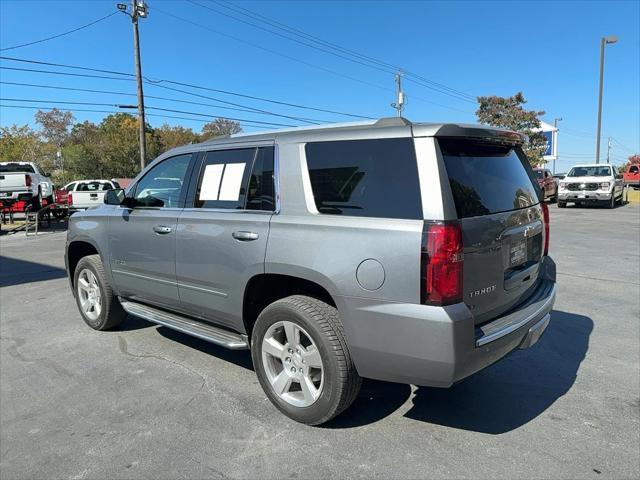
(509, 113)
(170, 137)
(20, 144)
(220, 127)
(632, 160)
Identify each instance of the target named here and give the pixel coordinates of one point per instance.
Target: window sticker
(231, 182)
(211, 182)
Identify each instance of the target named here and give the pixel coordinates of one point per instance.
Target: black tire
(111, 312)
(59, 214)
(612, 203)
(562, 204)
(321, 321)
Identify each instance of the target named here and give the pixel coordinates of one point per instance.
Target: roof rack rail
(393, 122)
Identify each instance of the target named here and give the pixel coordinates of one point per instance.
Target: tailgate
(87, 199)
(12, 181)
(497, 202)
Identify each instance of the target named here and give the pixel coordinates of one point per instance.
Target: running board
(224, 338)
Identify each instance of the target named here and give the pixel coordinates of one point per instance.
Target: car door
(222, 235)
(142, 234)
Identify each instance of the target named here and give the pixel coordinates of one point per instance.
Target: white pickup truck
(591, 184)
(24, 181)
(83, 194)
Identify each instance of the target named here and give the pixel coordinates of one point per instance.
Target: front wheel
(99, 307)
(302, 360)
(612, 203)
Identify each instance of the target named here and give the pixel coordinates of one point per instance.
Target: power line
(151, 108)
(58, 35)
(226, 92)
(48, 107)
(155, 97)
(348, 55)
(623, 146)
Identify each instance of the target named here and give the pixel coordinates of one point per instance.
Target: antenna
(400, 96)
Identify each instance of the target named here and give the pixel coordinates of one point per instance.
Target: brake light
(27, 180)
(70, 199)
(545, 218)
(442, 262)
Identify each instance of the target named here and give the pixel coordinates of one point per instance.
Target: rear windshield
(594, 171)
(93, 186)
(487, 178)
(15, 167)
(365, 178)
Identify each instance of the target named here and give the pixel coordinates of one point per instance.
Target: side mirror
(114, 197)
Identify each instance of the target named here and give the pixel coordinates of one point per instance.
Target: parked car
(632, 176)
(547, 183)
(25, 181)
(85, 194)
(591, 184)
(413, 253)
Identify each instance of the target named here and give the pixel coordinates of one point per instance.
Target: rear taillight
(70, 199)
(442, 261)
(545, 218)
(27, 180)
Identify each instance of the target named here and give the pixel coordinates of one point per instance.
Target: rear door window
(260, 194)
(365, 178)
(487, 178)
(223, 179)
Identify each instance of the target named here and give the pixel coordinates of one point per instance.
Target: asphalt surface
(146, 402)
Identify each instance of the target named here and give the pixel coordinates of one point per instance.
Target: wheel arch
(265, 288)
(76, 250)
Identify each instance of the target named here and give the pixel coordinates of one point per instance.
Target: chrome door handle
(162, 230)
(245, 236)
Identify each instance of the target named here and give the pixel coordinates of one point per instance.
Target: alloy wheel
(89, 294)
(292, 363)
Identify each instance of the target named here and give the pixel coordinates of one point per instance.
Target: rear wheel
(99, 307)
(302, 361)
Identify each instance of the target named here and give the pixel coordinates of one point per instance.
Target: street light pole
(603, 42)
(555, 141)
(139, 9)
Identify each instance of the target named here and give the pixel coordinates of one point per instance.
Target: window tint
(69, 187)
(94, 186)
(487, 178)
(365, 178)
(162, 185)
(260, 195)
(223, 179)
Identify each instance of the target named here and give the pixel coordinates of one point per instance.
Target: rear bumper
(438, 346)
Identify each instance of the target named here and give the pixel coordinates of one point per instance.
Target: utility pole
(139, 10)
(400, 97)
(608, 150)
(555, 143)
(603, 42)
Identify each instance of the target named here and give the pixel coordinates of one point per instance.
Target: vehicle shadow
(513, 392)
(242, 358)
(499, 399)
(14, 271)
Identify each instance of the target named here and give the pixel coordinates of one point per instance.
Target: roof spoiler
(393, 122)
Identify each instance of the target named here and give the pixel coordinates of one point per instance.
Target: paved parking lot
(147, 402)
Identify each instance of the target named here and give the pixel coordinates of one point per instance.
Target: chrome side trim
(201, 289)
(515, 326)
(144, 277)
(224, 338)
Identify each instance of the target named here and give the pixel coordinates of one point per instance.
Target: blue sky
(548, 50)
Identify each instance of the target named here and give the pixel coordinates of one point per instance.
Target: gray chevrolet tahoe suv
(412, 253)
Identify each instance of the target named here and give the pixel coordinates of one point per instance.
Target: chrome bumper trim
(515, 326)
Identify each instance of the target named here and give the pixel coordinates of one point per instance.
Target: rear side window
(365, 178)
(487, 178)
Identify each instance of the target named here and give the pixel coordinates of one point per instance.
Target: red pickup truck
(632, 177)
(547, 183)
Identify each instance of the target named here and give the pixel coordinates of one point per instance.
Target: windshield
(16, 167)
(594, 171)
